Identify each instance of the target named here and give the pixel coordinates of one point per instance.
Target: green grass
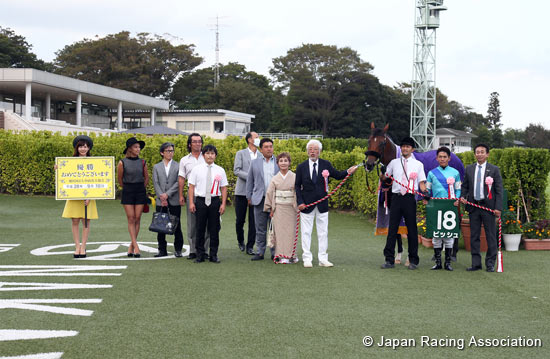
(241, 309)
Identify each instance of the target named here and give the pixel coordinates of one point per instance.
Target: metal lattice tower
(423, 89)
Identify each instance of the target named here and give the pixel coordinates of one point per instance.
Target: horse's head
(376, 146)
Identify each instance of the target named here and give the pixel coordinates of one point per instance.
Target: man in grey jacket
(243, 158)
(165, 180)
(261, 171)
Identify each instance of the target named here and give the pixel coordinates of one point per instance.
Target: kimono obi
(284, 197)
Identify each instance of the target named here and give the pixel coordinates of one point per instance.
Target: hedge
(27, 158)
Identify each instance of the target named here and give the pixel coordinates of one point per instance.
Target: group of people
(273, 195)
(474, 191)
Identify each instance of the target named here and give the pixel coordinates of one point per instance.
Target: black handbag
(164, 222)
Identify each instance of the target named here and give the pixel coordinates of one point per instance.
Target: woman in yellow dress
(74, 209)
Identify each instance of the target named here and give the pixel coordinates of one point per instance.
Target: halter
(379, 159)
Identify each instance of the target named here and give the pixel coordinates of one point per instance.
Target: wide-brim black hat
(132, 141)
(408, 141)
(84, 138)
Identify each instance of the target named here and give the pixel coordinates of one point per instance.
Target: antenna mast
(423, 91)
(217, 65)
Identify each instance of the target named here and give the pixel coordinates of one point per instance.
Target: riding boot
(437, 256)
(448, 252)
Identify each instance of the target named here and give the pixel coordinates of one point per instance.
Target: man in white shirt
(207, 183)
(187, 163)
(243, 158)
(410, 172)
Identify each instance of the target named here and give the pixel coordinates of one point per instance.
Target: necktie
(404, 178)
(314, 174)
(477, 194)
(208, 197)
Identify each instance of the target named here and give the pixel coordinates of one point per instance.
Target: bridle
(379, 159)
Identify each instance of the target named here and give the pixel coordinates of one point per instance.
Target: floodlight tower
(423, 89)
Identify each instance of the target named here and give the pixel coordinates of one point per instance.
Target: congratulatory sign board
(81, 178)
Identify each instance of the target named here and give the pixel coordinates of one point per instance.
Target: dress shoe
(257, 257)
(250, 251)
(473, 268)
(412, 266)
(241, 247)
(214, 259)
(192, 256)
(160, 254)
(307, 264)
(178, 254)
(490, 269)
(199, 260)
(326, 264)
(137, 255)
(387, 265)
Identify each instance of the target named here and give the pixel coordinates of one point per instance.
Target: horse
(381, 150)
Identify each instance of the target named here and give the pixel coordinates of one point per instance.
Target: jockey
(443, 182)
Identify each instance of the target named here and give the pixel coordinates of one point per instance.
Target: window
(236, 128)
(218, 127)
(193, 126)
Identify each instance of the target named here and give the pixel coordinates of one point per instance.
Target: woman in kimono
(280, 201)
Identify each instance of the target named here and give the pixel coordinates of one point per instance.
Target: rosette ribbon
(325, 174)
(410, 185)
(451, 183)
(489, 182)
(216, 185)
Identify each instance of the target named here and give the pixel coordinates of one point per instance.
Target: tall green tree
(146, 64)
(314, 76)
(15, 51)
(238, 90)
(536, 135)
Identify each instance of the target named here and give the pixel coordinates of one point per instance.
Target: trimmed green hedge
(27, 158)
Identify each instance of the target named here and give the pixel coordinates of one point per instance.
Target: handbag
(270, 235)
(164, 222)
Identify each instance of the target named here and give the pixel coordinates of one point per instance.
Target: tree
(493, 112)
(313, 77)
(537, 136)
(147, 64)
(15, 51)
(238, 90)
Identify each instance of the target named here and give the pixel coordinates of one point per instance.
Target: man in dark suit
(310, 187)
(475, 189)
(243, 158)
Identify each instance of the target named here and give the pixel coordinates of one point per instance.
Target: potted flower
(511, 229)
(421, 225)
(537, 235)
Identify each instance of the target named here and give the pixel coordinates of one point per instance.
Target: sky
(482, 45)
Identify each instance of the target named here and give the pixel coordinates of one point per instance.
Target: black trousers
(402, 206)
(241, 205)
(477, 217)
(178, 236)
(207, 216)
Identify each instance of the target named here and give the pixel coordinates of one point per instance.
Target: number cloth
(442, 219)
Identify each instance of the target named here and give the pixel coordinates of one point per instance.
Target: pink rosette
(216, 184)
(410, 186)
(489, 182)
(451, 182)
(325, 175)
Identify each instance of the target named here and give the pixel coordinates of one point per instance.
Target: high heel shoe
(83, 255)
(76, 255)
(130, 254)
(137, 255)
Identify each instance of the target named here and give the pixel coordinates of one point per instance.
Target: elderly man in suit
(310, 187)
(483, 186)
(260, 173)
(243, 158)
(165, 180)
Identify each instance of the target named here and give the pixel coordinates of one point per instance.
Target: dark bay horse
(382, 150)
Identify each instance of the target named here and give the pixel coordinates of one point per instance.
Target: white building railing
(286, 136)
